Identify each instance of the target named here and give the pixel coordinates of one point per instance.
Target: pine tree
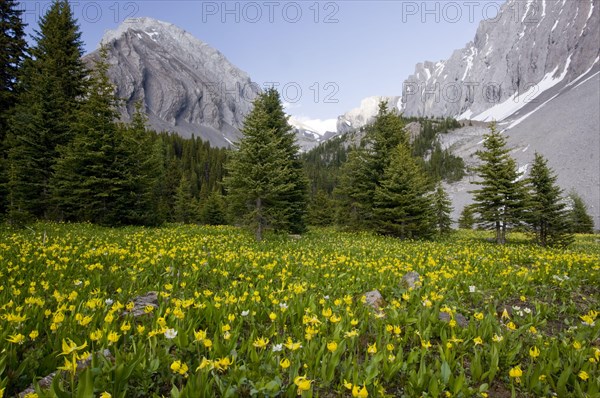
(13, 50)
(265, 186)
(501, 199)
(403, 206)
(52, 84)
(321, 210)
(356, 190)
(546, 210)
(91, 175)
(212, 210)
(442, 206)
(580, 221)
(293, 202)
(366, 164)
(185, 210)
(383, 136)
(143, 163)
(467, 218)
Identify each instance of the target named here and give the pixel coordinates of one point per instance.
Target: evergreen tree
(442, 206)
(501, 199)
(355, 193)
(581, 222)
(546, 211)
(264, 185)
(213, 210)
(13, 50)
(91, 176)
(185, 206)
(52, 84)
(402, 204)
(383, 136)
(292, 203)
(143, 162)
(362, 173)
(467, 218)
(321, 210)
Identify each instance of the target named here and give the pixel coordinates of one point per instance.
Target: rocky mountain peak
(185, 85)
(528, 48)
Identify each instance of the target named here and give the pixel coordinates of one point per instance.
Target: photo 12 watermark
(455, 92)
(528, 12)
(83, 11)
(270, 12)
(290, 92)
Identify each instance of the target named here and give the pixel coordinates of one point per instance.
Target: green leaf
(85, 387)
(561, 385)
(446, 372)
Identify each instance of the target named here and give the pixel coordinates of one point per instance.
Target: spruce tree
(383, 136)
(321, 210)
(501, 200)
(580, 221)
(356, 190)
(51, 87)
(292, 203)
(185, 206)
(13, 50)
(362, 173)
(442, 206)
(403, 206)
(467, 218)
(546, 213)
(143, 163)
(212, 210)
(91, 175)
(264, 185)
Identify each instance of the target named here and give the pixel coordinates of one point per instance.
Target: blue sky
(327, 55)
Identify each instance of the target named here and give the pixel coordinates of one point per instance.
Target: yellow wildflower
(290, 345)
(534, 352)
(332, 346)
(179, 367)
(113, 337)
(284, 363)
(360, 392)
(372, 349)
(260, 342)
(16, 338)
(302, 383)
(69, 346)
(515, 372)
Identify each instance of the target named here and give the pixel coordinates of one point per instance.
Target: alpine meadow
(171, 228)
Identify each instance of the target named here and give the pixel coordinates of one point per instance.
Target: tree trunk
(498, 233)
(259, 219)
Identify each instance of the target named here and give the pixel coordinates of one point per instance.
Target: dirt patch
(499, 391)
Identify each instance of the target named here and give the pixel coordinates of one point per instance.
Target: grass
(287, 317)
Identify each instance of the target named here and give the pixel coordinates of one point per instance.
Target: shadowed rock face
(534, 42)
(185, 85)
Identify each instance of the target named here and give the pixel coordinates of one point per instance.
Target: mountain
(365, 113)
(185, 85)
(529, 48)
(535, 69)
